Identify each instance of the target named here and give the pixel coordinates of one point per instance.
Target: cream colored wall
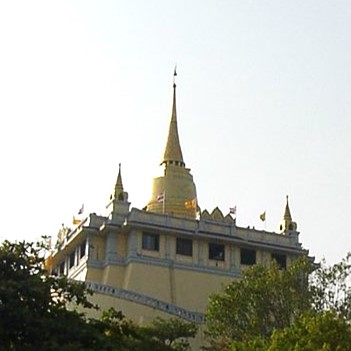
(113, 275)
(94, 275)
(192, 289)
(122, 245)
(149, 279)
(97, 248)
(189, 287)
(184, 288)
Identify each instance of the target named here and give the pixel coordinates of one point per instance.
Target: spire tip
(174, 75)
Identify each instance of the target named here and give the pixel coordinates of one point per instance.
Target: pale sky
(263, 99)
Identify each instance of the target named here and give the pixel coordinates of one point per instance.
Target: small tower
(118, 207)
(287, 225)
(174, 193)
(119, 193)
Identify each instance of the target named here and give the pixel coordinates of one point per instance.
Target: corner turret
(119, 192)
(287, 225)
(118, 207)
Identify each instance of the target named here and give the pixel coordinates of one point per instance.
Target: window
(71, 259)
(82, 248)
(151, 241)
(216, 252)
(247, 256)
(280, 259)
(62, 268)
(184, 247)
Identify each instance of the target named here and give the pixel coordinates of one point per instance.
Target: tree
(306, 307)
(331, 287)
(160, 335)
(264, 299)
(325, 331)
(34, 313)
(171, 334)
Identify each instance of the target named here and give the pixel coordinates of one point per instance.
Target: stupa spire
(173, 152)
(174, 193)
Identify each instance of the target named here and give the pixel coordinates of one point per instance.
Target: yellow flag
(48, 262)
(263, 216)
(76, 221)
(190, 203)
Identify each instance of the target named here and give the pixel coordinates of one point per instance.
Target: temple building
(167, 258)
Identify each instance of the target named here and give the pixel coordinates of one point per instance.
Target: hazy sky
(264, 109)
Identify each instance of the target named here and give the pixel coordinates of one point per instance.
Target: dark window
(151, 241)
(71, 259)
(280, 259)
(62, 268)
(82, 248)
(184, 247)
(247, 256)
(216, 252)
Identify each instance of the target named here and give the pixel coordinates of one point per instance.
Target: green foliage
(325, 331)
(161, 335)
(34, 312)
(255, 344)
(171, 334)
(322, 331)
(263, 300)
(331, 287)
(305, 307)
